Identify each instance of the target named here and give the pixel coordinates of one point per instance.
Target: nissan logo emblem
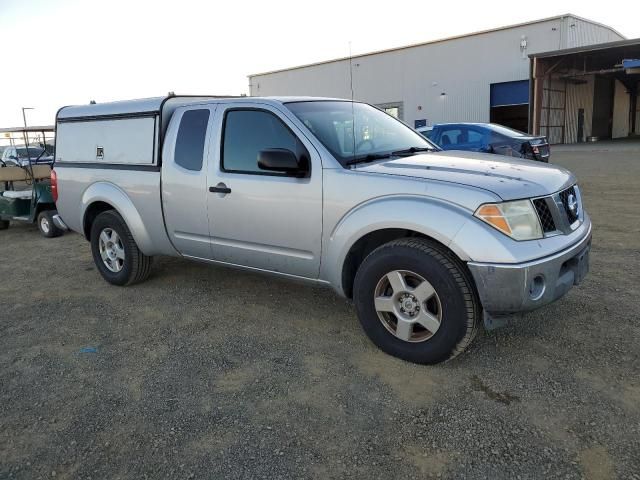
(572, 203)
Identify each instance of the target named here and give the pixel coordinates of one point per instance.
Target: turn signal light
(492, 214)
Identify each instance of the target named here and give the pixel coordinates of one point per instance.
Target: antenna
(353, 115)
(350, 71)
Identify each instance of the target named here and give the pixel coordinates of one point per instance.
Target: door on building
(510, 104)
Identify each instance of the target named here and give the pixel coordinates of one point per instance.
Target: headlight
(517, 219)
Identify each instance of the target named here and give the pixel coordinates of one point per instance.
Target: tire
(46, 226)
(124, 263)
(4, 224)
(451, 311)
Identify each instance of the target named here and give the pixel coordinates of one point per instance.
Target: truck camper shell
(130, 132)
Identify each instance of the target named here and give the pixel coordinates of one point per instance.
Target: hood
(509, 178)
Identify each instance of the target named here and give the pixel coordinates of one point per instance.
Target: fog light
(536, 287)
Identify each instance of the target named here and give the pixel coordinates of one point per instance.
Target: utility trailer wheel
(416, 301)
(115, 252)
(4, 224)
(46, 225)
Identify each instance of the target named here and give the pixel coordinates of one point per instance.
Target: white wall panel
(462, 68)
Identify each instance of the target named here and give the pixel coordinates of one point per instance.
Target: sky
(63, 52)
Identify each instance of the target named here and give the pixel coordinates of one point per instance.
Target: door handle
(220, 188)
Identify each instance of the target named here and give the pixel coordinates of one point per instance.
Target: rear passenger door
(184, 179)
(261, 219)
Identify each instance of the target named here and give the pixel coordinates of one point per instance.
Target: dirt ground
(203, 372)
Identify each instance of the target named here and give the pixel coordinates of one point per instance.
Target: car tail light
(54, 185)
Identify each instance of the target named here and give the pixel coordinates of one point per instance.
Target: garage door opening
(513, 116)
(510, 104)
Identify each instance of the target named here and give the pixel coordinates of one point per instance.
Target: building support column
(538, 88)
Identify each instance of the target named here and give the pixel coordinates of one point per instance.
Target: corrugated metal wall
(580, 32)
(578, 96)
(621, 104)
(462, 69)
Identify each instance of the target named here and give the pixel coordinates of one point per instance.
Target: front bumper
(510, 288)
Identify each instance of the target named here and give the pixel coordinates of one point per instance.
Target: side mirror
(282, 160)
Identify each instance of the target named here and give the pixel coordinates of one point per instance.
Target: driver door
(261, 219)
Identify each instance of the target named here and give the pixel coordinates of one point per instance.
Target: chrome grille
(544, 214)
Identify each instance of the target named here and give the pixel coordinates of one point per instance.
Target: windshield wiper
(371, 157)
(398, 153)
(412, 151)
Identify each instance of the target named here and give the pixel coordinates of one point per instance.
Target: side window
(247, 132)
(475, 136)
(190, 140)
(450, 136)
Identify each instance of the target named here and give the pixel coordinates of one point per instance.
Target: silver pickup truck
(428, 244)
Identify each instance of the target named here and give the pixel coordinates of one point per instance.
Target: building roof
(446, 39)
(589, 48)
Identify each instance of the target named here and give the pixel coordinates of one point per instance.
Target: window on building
(393, 111)
(190, 140)
(247, 133)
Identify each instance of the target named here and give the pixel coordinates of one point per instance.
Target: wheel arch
(103, 196)
(361, 231)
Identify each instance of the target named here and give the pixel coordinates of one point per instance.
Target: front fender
(111, 194)
(431, 217)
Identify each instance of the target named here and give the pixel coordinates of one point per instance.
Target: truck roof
(155, 105)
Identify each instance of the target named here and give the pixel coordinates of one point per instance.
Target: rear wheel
(115, 252)
(46, 225)
(415, 301)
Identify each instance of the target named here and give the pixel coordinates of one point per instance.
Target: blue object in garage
(509, 93)
(631, 63)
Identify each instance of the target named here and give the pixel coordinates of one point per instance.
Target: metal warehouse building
(480, 77)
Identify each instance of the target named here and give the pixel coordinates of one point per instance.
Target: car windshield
(33, 152)
(355, 132)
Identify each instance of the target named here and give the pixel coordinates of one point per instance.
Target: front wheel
(115, 251)
(4, 224)
(46, 225)
(416, 301)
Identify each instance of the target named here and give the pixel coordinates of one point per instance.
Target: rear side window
(190, 141)
(475, 136)
(246, 133)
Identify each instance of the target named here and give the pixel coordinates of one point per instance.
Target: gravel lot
(203, 372)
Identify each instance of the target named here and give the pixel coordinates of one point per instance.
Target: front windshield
(356, 131)
(34, 152)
